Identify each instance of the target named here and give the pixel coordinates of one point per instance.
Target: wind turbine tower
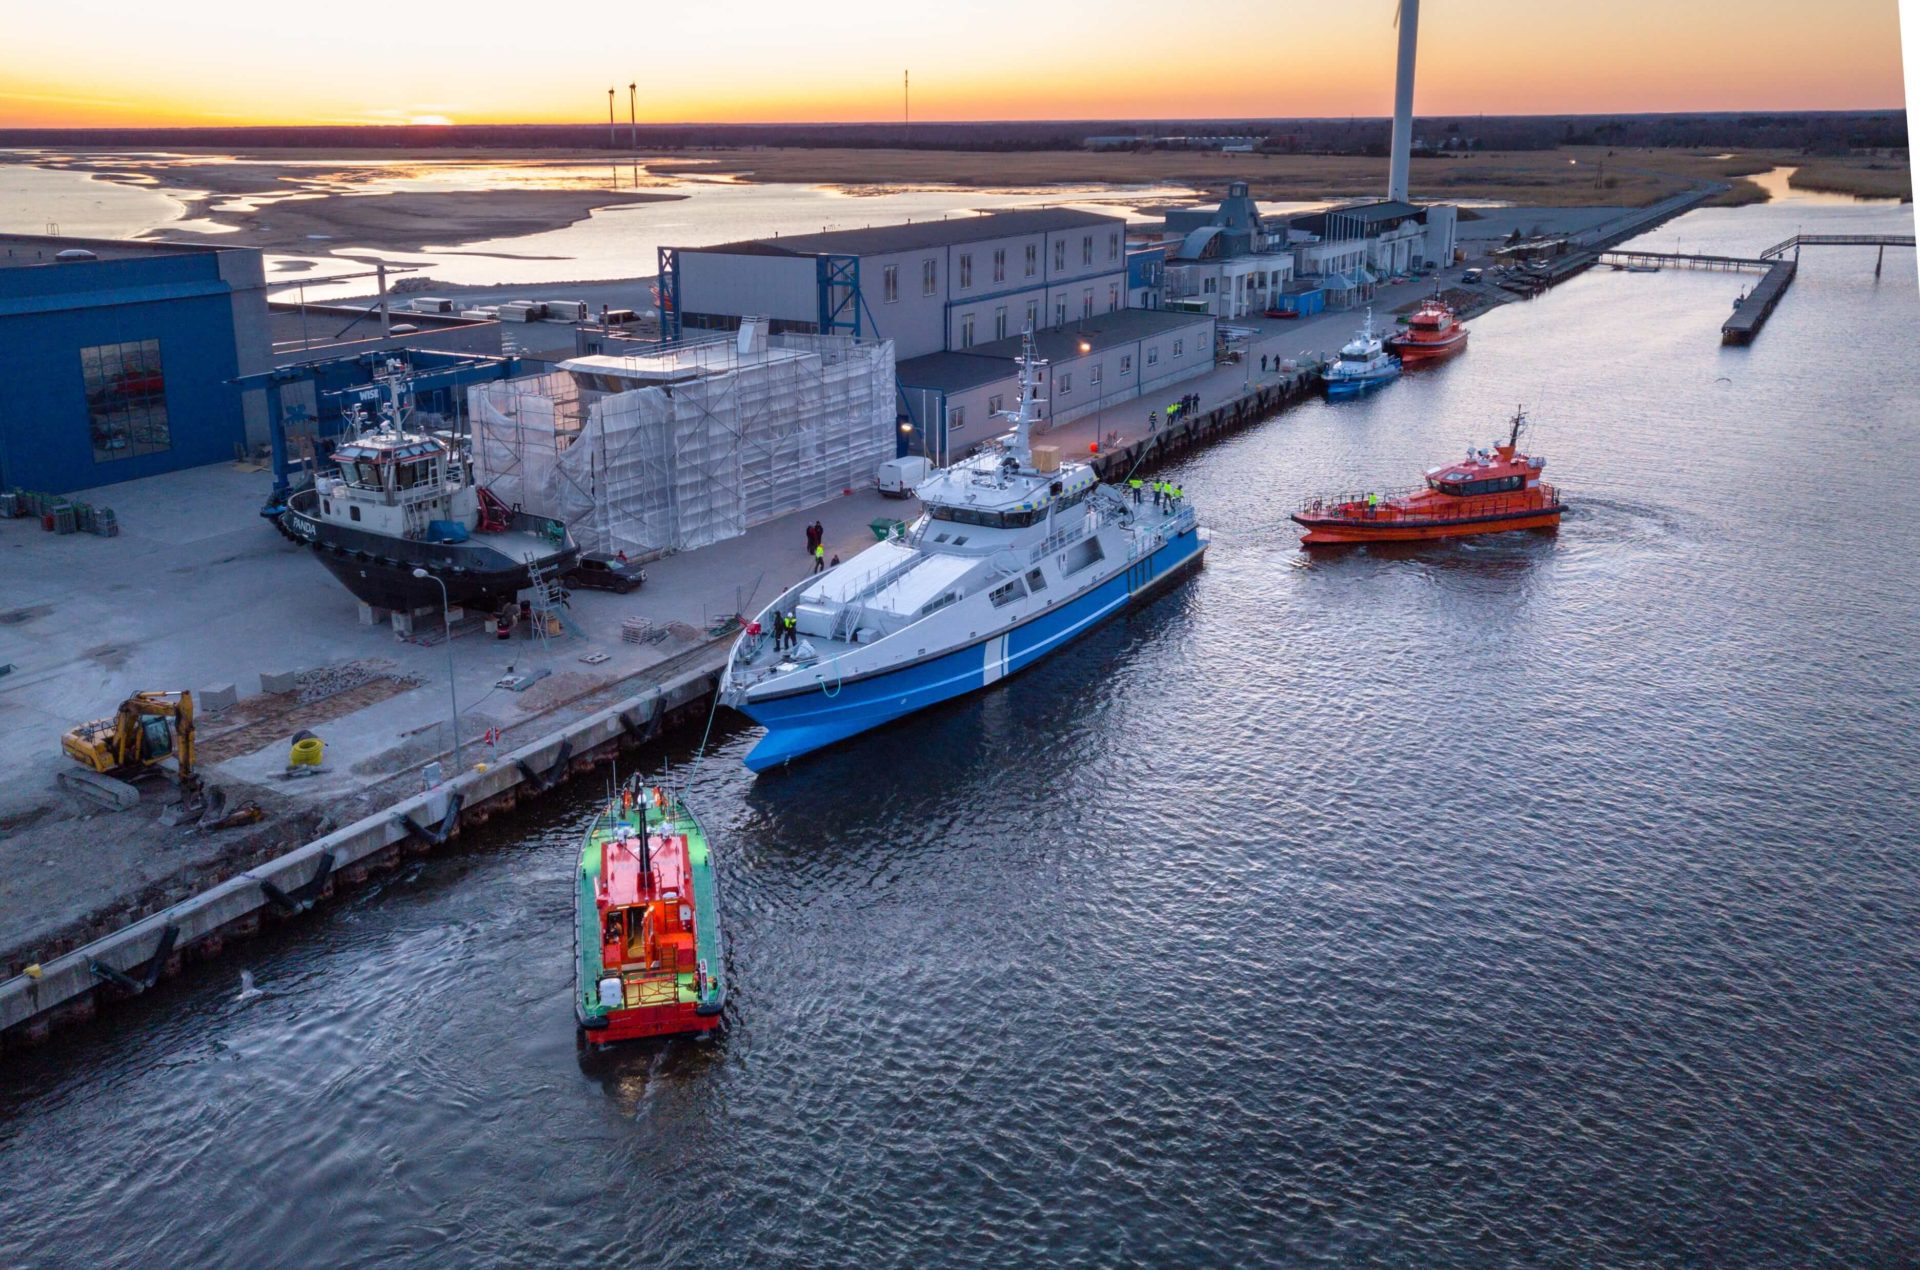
(1407, 18)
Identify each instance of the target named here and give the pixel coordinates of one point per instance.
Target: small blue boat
(1363, 365)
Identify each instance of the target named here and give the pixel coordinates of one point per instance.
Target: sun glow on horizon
(224, 62)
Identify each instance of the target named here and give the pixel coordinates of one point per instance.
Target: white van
(898, 477)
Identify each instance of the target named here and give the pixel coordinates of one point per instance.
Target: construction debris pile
(323, 682)
(688, 444)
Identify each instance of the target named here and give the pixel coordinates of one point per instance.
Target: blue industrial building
(120, 360)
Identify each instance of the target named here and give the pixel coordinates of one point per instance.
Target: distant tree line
(1817, 132)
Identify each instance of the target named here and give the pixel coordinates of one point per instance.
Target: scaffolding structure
(688, 444)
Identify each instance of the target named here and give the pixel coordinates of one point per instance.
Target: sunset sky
(87, 62)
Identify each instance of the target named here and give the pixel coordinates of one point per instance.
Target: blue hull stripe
(805, 722)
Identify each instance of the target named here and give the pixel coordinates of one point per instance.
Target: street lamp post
(453, 697)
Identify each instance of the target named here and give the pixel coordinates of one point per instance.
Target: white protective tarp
(675, 467)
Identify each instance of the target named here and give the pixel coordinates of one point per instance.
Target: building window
(929, 277)
(1206, 285)
(891, 282)
(1000, 323)
(1113, 246)
(1033, 259)
(1059, 255)
(966, 270)
(1086, 303)
(1063, 382)
(1179, 347)
(1113, 296)
(1093, 375)
(1033, 314)
(996, 403)
(1086, 249)
(1059, 312)
(1153, 355)
(1126, 364)
(126, 400)
(966, 331)
(956, 418)
(999, 264)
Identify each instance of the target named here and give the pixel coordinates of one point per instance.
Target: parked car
(1283, 314)
(599, 571)
(1471, 275)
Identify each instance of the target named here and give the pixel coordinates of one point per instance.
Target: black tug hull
(378, 569)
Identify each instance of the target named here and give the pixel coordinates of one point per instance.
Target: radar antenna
(1020, 444)
(1519, 425)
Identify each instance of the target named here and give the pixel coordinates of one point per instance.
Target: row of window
(966, 334)
(930, 272)
(126, 400)
(1498, 485)
(1063, 384)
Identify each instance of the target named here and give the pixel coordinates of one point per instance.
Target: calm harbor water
(1529, 901)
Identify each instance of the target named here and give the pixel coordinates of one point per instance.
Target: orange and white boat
(1488, 492)
(1433, 334)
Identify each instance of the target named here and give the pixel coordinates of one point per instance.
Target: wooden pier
(1750, 312)
(1753, 309)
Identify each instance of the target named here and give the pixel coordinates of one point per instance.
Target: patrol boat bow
(1014, 555)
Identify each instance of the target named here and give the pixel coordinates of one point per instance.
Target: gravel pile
(330, 681)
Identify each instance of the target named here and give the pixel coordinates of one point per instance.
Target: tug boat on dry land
(1433, 334)
(1487, 492)
(646, 922)
(400, 500)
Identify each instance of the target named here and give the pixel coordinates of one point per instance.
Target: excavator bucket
(196, 803)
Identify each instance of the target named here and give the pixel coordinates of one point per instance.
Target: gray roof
(40, 249)
(952, 372)
(882, 239)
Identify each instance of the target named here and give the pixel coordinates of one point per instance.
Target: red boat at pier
(1488, 492)
(1433, 334)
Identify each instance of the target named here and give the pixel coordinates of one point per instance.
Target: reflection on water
(618, 241)
(1777, 183)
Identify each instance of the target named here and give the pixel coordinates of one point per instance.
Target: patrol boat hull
(826, 712)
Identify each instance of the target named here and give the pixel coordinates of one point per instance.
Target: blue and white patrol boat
(1363, 364)
(1015, 554)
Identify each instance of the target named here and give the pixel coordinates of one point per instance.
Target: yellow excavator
(148, 729)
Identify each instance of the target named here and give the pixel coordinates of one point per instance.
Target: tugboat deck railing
(1542, 497)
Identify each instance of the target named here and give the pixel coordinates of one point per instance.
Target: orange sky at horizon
(225, 62)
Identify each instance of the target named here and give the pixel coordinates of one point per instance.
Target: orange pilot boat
(1485, 493)
(1433, 334)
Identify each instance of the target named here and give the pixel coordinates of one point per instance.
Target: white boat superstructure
(1363, 362)
(1014, 554)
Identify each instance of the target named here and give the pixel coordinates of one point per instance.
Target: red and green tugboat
(1485, 493)
(646, 922)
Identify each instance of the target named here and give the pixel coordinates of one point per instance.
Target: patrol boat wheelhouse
(1014, 554)
(400, 500)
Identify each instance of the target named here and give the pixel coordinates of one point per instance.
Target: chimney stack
(1408, 19)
